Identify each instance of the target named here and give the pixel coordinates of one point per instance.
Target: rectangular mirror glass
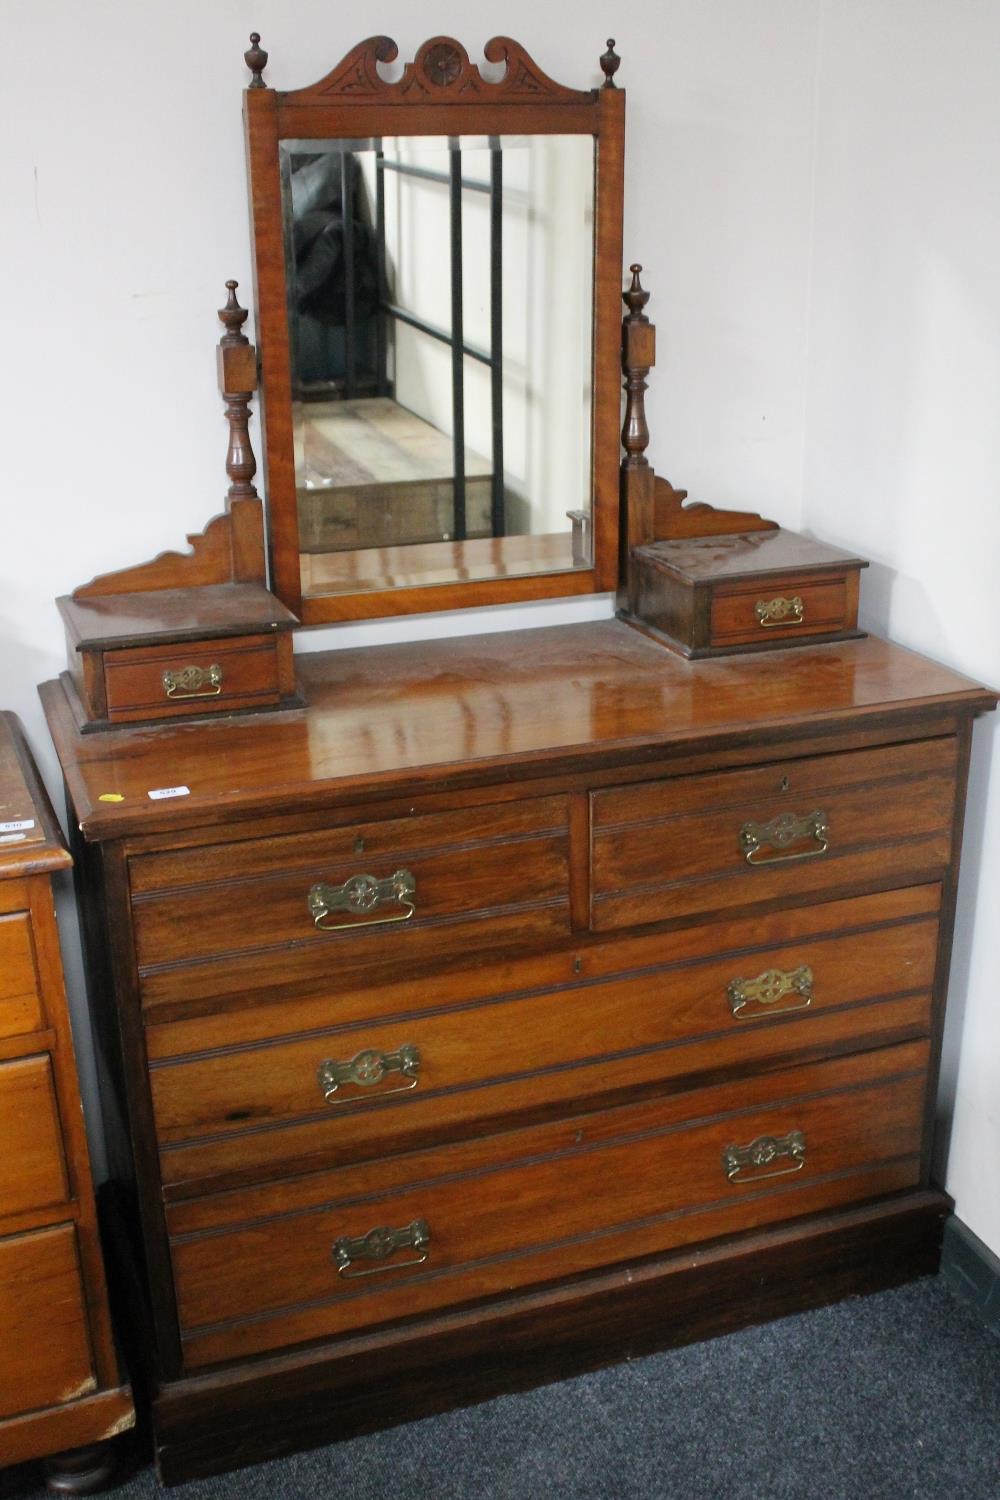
(440, 312)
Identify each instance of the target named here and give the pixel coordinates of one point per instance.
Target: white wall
(809, 189)
(902, 437)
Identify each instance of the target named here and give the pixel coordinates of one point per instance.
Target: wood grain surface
(253, 1110)
(32, 1174)
(20, 1002)
(674, 849)
(43, 1319)
(135, 687)
(734, 617)
(269, 1280)
(443, 714)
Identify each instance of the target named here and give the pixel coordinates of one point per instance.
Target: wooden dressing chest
(62, 1396)
(523, 1003)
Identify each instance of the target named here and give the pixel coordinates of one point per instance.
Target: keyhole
(577, 964)
(359, 845)
(784, 784)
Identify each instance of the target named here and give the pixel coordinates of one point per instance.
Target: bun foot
(80, 1471)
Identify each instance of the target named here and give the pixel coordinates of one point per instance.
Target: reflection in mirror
(440, 303)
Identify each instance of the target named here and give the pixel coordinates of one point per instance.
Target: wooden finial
(610, 63)
(234, 316)
(237, 359)
(635, 297)
(256, 60)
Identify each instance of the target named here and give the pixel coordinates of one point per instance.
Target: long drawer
(351, 1092)
(324, 1255)
(295, 908)
(700, 844)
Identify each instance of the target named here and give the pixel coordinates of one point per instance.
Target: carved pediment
(441, 73)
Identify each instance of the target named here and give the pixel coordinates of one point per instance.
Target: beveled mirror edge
(352, 100)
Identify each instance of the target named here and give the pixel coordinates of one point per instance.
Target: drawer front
(32, 1170)
(390, 1085)
(365, 1246)
(20, 1002)
(700, 844)
(301, 907)
(43, 1322)
(779, 609)
(168, 681)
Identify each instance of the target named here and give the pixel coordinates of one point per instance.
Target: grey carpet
(892, 1397)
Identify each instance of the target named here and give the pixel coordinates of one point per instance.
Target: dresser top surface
(30, 841)
(431, 715)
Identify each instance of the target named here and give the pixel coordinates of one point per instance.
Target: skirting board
(972, 1272)
(265, 1408)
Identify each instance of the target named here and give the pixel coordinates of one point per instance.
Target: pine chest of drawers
(62, 1396)
(521, 1004)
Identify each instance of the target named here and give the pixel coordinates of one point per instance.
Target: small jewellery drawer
(779, 608)
(146, 682)
(20, 1002)
(713, 595)
(323, 1255)
(42, 1309)
(32, 1171)
(707, 843)
(303, 907)
(250, 1111)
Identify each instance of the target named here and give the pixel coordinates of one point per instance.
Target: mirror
(437, 269)
(440, 316)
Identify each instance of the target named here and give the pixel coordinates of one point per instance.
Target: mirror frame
(440, 93)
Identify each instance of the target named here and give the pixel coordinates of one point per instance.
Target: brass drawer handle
(749, 1160)
(193, 682)
(378, 1244)
(783, 830)
(362, 894)
(774, 612)
(369, 1068)
(767, 989)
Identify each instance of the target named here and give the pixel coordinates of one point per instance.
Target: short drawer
(32, 1168)
(779, 609)
(20, 1002)
(325, 1255)
(43, 1322)
(302, 907)
(700, 844)
(146, 682)
(393, 1084)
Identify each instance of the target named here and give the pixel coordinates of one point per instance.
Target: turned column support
(637, 478)
(237, 361)
(638, 358)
